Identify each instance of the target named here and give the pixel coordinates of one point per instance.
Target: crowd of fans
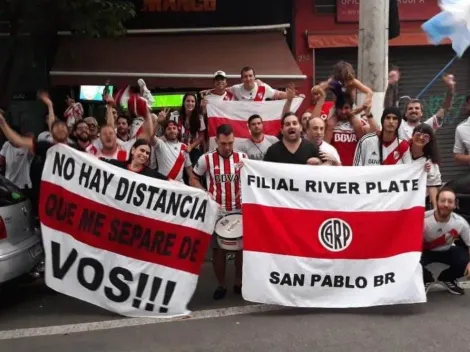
(173, 145)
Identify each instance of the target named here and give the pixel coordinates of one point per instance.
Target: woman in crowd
(138, 160)
(191, 126)
(424, 149)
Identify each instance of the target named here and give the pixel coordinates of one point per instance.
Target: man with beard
(292, 149)
(256, 146)
(344, 129)
(122, 129)
(315, 134)
(441, 228)
(81, 133)
(414, 112)
(172, 155)
(462, 138)
(384, 148)
(59, 134)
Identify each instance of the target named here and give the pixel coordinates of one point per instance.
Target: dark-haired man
(81, 132)
(256, 146)
(292, 149)
(384, 148)
(345, 129)
(221, 168)
(171, 155)
(441, 228)
(414, 111)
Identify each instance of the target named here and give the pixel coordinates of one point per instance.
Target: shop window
(324, 6)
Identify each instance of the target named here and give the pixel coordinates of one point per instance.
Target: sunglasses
(425, 136)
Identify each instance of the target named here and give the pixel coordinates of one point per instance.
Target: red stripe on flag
(164, 240)
(294, 232)
(240, 128)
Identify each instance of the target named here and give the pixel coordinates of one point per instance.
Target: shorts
(214, 242)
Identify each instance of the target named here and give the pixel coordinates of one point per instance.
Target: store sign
(409, 10)
(179, 5)
(165, 14)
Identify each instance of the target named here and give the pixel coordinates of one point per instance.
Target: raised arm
(13, 137)
(290, 95)
(44, 97)
(450, 83)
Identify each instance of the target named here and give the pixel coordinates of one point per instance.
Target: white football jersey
(440, 236)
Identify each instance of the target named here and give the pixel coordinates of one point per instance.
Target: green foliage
(96, 18)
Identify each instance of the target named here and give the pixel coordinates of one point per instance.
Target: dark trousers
(456, 257)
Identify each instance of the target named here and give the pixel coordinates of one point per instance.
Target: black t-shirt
(40, 149)
(146, 171)
(278, 153)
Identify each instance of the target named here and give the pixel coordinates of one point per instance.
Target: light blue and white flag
(452, 22)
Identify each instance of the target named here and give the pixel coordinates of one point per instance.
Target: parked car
(21, 250)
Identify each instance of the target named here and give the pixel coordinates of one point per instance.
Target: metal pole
(373, 51)
(435, 78)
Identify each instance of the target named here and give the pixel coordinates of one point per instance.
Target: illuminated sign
(179, 5)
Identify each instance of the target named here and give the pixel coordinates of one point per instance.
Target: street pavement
(49, 321)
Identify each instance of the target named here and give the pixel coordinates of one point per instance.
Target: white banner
(125, 242)
(333, 237)
(236, 113)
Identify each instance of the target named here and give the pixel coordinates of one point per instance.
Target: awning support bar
(164, 75)
(282, 26)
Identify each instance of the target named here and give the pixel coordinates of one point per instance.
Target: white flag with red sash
(237, 113)
(332, 236)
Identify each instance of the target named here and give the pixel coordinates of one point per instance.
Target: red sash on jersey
(396, 154)
(260, 93)
(228, 96)
(447, 238)
(179, 162)
(121, 155)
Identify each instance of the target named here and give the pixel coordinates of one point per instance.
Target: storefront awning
(174, 61)
(348, 40)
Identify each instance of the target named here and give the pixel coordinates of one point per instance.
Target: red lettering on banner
(345, 137)
(114, 230)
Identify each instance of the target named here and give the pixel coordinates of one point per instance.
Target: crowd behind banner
(206, 143)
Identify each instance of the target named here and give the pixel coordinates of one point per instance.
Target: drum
(229, 232)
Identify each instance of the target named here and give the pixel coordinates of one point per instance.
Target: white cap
(220, 73)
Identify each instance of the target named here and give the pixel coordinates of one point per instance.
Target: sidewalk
(207, 283)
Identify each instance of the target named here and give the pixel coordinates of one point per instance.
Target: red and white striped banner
(237, 113)
(332, 236)
(125, 242)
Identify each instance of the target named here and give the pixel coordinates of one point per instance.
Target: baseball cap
(220, 73)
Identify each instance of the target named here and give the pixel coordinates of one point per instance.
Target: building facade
(326, 31)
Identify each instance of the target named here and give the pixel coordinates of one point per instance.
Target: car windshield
(9, 193)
